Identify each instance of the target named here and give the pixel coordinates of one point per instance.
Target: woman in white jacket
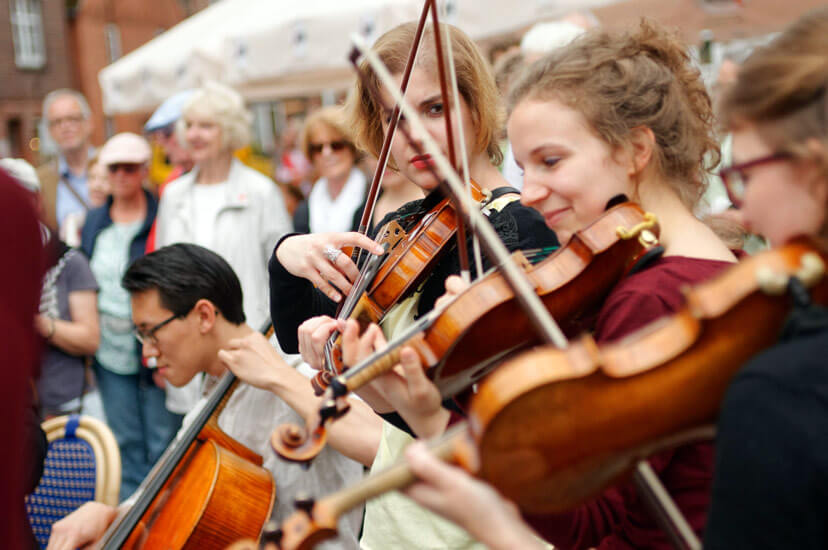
(222, 205)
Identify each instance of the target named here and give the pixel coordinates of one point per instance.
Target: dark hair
(183, 274)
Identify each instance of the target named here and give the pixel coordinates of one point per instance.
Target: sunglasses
(128, 167)
(736, 177)
(336, 146)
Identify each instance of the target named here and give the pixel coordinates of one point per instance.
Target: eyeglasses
(72, 119)
(145, 336)
(736, 177)
(336, 146)
(128, 167)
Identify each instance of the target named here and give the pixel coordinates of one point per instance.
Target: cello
(206, 490)
(554, 427)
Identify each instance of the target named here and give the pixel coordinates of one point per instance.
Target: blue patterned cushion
(68, 481)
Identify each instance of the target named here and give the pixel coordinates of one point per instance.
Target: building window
(27, 34)
(112, 35)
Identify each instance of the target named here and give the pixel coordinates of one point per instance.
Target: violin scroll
(299, 444)
(308, 526)
(292, 442)
(321, 381)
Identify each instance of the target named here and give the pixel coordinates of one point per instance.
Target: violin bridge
(520, 259)
(391, 233)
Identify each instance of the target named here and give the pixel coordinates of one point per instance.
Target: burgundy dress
(619, 519)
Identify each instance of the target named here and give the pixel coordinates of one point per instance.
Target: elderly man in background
(63, 180)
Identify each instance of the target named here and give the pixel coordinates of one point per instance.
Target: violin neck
(450, 447)
(384, 360)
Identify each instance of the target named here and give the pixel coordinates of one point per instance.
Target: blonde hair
(623, 81)
(781, 88)
(475, 82)
(333, 118)
(225, 107)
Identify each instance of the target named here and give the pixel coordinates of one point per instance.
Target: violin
(384, 279)
(554, 427)
(206, 491)
(460, 343)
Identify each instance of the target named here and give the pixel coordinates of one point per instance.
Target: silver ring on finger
(331, 253)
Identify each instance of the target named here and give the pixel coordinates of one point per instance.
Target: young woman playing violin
(771, 457)
(609, 114)
(300, 262)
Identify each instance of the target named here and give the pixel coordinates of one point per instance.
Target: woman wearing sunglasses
(115, 235)
(771, 475)
(336, 200)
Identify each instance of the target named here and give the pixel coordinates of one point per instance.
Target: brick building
(63, 44)
(34, 59)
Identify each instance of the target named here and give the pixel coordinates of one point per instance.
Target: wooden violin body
(588, 413)
(551, 428)
(411, 257)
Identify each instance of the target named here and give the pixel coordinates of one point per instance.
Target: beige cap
(125, 147)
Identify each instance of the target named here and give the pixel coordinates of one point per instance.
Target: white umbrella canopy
(299, 48)
(271, 49)
(180, 58)
(308, 52)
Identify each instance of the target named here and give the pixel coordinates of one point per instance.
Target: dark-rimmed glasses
(336, 146)
(735, 177)
(145, 336)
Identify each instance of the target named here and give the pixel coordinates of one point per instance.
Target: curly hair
(620, 81)
(475, 83)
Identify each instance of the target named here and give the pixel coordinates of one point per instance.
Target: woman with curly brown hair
(613, 113)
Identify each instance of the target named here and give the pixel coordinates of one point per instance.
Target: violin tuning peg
(304, 502)
(327, 410)
(339, 386)
(271, 534)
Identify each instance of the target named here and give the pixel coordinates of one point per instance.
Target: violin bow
(382, 160)
(464, 158)
(444, 95)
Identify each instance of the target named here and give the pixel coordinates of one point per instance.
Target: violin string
(464, 159)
